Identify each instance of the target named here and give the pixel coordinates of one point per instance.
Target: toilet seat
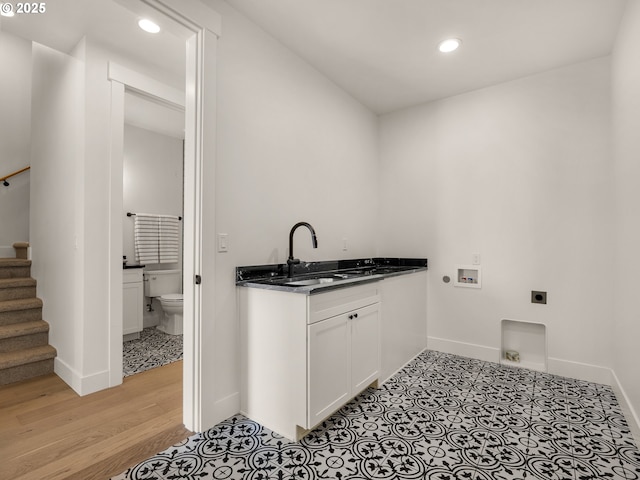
(172, 298)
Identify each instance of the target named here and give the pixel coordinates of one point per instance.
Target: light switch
(222, 243)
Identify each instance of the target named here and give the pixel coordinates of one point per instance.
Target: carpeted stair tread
(20, 310)
(22, 329)
(20, 304)
(18, 287)
(23, 357)
(15, 268)
(14, 262)
(17, 282)
(22, 336)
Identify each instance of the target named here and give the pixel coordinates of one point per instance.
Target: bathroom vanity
(312, 342)
(132, 302)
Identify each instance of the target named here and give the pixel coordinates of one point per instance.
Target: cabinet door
(329, 367)
(132, 308)
(365, 347)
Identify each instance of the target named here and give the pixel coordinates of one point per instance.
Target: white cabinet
(132, 302)
(365, 348)
(329, 381)
(304, 356)
(344, 359)
(403, 300)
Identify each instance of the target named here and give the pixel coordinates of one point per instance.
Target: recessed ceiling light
(148, 26)
(449, 45)
(6, 10)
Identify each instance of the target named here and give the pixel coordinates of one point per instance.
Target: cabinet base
(131, 336)
(302, 432)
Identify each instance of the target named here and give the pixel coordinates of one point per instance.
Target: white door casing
(201, 27)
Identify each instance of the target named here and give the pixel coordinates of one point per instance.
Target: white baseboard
(81, 385)
(580, 371)
(222, 409)
(629, 412)
(488, 354)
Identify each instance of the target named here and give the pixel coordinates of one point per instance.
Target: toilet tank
(161, 282)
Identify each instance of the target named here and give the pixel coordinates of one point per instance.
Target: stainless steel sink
(311, 281)
(315, 279)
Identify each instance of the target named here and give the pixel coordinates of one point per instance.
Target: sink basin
(311, 281)
(320, 278)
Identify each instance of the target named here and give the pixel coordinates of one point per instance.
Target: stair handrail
(4, 179)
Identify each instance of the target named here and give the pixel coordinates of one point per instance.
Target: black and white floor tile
(442, 417)
(153, 349)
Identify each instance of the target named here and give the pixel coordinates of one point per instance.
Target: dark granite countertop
(329, 275)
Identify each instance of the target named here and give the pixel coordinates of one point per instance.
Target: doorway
(153, 179)
(199, 27)
(147, 151)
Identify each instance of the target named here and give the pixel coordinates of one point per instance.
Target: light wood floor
(48, 432)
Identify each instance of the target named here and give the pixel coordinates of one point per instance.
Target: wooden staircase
(24, 337)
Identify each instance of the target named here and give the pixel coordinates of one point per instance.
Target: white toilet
(164, 285)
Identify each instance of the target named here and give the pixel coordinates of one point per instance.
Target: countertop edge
(315, 289)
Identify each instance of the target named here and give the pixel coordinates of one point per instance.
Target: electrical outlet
(475, 259)
(538, 297)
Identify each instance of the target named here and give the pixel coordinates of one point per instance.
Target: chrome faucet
(291, 261)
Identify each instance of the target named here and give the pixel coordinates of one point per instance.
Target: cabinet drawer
(335, 302)
(132, 275)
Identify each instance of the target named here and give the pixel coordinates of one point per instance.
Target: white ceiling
(107, 23)
(383, 52)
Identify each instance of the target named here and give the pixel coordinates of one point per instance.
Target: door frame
(202, 27)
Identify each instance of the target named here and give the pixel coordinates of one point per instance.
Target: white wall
(626, 116)
(291, 146)
(56, 203)
(521, 174)
(15, 132)
(152, 181)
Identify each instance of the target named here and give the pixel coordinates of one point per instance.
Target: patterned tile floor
(153, 349)
(442, 417)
